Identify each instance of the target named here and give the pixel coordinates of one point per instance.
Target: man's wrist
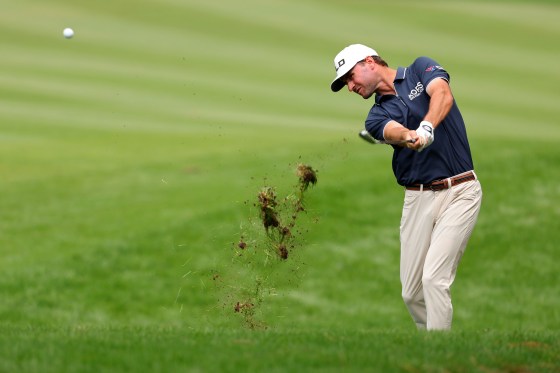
(429, 126)
(426, 131)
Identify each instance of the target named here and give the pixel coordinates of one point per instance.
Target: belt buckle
(436, 186)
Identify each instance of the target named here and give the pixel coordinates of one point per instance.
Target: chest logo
(416, 91)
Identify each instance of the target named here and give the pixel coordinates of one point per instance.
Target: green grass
(136, 349)
(131, 157)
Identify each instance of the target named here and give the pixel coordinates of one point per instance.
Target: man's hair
(380, 61)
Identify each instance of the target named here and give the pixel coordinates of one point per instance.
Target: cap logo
(340, 64)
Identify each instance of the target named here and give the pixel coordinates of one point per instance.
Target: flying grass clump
(270, 215)
(261, 250)
(306, 176)
(267, 203)
(278, 229)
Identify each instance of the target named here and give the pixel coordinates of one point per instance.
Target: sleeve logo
(433, 68)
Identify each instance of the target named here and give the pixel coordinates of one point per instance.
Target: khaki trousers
(435, 228)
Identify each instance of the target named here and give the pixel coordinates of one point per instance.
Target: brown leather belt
(444, 183)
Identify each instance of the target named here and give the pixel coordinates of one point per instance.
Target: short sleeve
(376, 120)
(428, 70)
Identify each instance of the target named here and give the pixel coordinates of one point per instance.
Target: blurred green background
(131, 156)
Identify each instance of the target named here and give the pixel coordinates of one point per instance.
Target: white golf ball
(68, 33)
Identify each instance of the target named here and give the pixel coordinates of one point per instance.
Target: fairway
(132, 156)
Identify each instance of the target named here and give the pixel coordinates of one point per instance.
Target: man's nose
(350, 85)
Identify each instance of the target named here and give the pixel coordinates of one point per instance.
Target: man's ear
(370, 62)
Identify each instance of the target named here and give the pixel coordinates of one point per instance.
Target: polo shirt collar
(401, 73)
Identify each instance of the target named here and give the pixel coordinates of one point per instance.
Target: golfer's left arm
(441, 101)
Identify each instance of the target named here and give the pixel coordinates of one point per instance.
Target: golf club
(364, 134)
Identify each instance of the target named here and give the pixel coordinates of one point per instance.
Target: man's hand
(425, 133)
(416, 140)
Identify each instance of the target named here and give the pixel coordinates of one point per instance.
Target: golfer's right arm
(396, 132)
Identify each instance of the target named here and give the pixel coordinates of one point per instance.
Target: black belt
(444, 183)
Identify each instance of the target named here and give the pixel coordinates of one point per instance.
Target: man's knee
(429, 281)
(433, 284)
(411, 298)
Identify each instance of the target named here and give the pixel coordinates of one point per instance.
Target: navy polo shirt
(449, 154)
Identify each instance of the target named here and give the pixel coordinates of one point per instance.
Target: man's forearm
(396, 132)
(441, 101)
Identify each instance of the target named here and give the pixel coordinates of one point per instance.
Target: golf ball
(68, 33)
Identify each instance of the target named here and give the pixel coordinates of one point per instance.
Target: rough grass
(95, 349)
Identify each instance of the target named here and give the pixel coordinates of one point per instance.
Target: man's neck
(386, 86)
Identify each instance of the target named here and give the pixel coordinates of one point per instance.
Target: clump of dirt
(282, 251)
(267, 203)
(280, 238)
(307, 175)
(285, 231)
(243, 307)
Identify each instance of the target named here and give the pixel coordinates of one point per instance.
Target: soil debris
(279, 241)
(306, 176)
(283, 251)
(268, 203)
(241, 307)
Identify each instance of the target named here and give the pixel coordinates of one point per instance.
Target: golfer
(442, 193)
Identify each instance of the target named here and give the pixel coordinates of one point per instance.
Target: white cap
(346, 60)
